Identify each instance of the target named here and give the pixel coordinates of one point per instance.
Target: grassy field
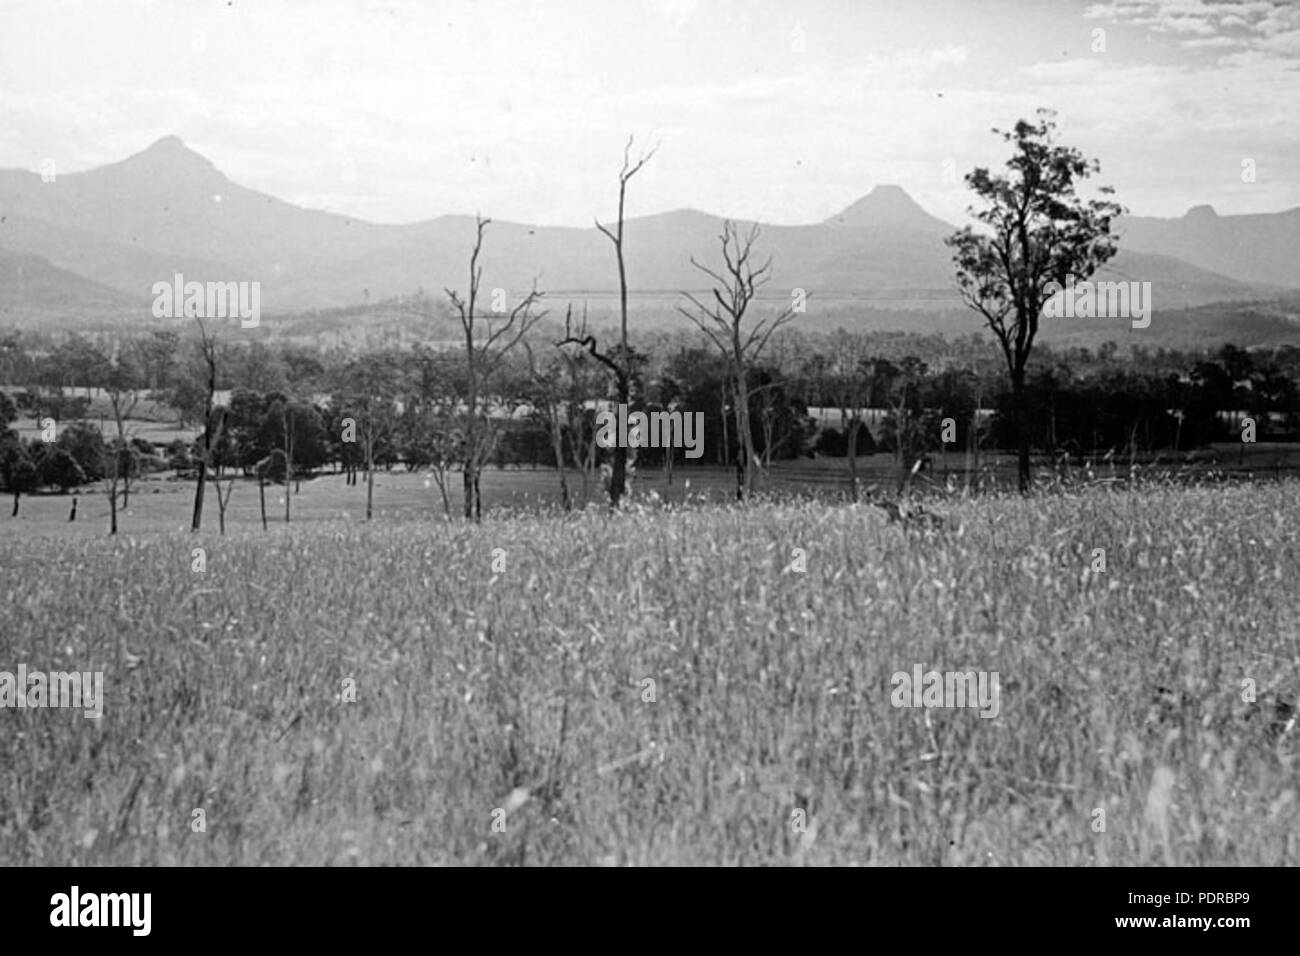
(502, 716)
(159, 503)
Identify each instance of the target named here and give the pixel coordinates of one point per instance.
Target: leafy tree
(706, 387)
(1035, 232)
(256, 368)
(155, 356)
(59, 469)
(21, 476)
(180, 458)
(86, 445)
(247, 442)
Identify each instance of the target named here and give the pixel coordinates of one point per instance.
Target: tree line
(354, 412)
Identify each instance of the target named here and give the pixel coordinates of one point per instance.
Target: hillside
(168, 209)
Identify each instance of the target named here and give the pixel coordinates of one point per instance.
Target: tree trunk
(584, 474)
(557, 445)
(467, 485)
(197, 520)
(765, 423)
(288, 464)
(745, 445)
(1051, 430)
(724, 447)
(14, 513)
(854, 425)
(446, 501)
(72, 515)
(902, 440)
(261, 494)
(370, 480)
(618, 474)
(970, 447)
(1022, 432)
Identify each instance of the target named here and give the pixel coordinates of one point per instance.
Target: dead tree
(223, 501)
(445, 450)
(621, 368)
(214, 420)
(123, 396)
(579, 418)
(619, 360)
(262, 467)
(482, 361)
(722, 321)
(122, 386)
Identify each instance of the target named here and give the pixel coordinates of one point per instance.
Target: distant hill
(120, 228)
(1247, 324)
(1262, 248)
(38, 294)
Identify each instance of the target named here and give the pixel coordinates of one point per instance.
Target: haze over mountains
(93, 243)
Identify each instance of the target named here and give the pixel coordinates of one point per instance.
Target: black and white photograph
(650, 433)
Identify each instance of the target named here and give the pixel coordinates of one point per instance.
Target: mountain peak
(171, 156)
(172, 142)
(888, 206)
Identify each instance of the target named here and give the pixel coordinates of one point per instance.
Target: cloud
(1251, 24)
(1213, 43)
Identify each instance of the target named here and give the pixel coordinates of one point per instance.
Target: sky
(782, 112)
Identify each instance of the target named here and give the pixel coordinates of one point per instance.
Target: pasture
(502, 715)
(161, 503)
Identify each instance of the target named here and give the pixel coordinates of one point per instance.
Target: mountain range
(93, 243)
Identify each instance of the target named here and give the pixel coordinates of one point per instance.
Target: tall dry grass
(520, 699)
